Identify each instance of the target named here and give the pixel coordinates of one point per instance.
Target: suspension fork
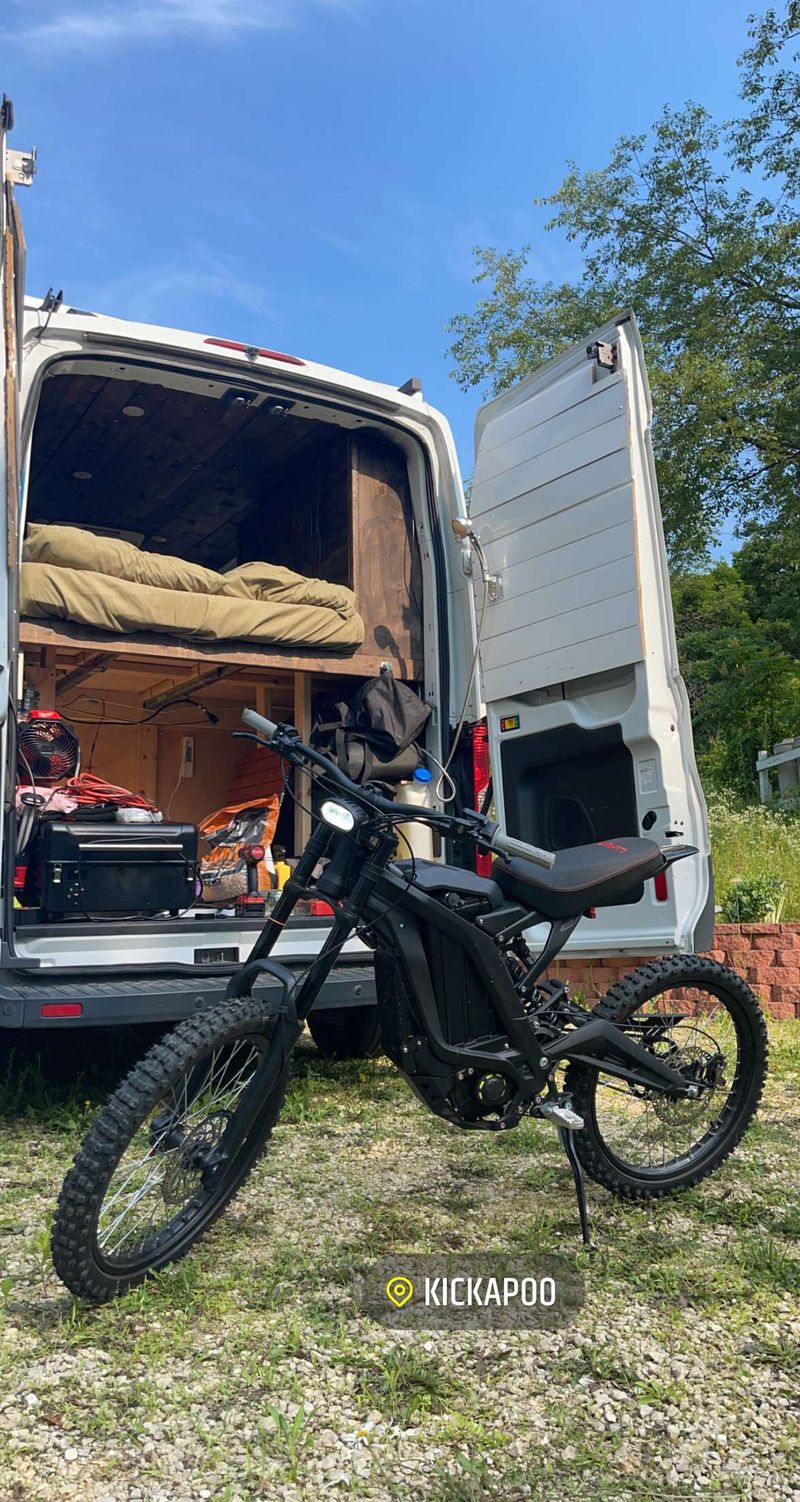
(346, 918)
(299, 997)
(292, 892)
(242, 981)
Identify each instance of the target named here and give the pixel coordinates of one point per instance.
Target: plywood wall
(215, 753)
(146, 758)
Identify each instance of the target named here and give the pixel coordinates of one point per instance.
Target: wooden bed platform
(70, 644)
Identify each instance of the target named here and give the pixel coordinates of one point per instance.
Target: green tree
(743, 686)
(696, 226)
(769, 565)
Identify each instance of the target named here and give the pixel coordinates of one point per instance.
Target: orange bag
(222, 834)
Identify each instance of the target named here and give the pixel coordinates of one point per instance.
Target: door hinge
(494, 582)
(21, 167)
(603, 353)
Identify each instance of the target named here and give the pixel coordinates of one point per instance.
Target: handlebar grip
(506, 845)
(259, 722)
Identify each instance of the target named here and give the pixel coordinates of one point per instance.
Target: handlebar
(259, 722)
(475, 826)
(505, 844)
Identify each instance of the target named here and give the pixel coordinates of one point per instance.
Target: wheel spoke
(649, 1130)
(158, 1176)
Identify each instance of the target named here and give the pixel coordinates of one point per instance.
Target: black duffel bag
(372, 735)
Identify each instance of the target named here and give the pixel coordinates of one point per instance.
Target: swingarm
(605, 1047)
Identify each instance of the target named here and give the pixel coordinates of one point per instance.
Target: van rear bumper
(151, 998)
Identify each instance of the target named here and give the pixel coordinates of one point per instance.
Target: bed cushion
(75, 548)
(48, 592)
(72, 547)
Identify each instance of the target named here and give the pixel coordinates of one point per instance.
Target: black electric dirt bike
(662, 1076)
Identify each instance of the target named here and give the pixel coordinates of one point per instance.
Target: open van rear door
(589, 725)
(15, 167)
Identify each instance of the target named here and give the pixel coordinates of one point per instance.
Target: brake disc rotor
(700, 1067)
(180, 1180)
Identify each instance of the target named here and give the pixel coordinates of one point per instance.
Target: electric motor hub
(492, 1089)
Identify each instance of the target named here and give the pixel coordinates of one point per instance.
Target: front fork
(346, 917)
(298, 995)
(292, 892)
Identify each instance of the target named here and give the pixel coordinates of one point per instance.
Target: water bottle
(417, 835)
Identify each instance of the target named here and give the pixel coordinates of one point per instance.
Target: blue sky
(313, 174)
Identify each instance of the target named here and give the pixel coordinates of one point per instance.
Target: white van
(191, 445)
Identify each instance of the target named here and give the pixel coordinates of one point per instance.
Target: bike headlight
(338, 815)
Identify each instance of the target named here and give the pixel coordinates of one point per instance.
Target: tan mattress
(71, 575)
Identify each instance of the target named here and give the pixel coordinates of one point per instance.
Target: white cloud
(96, 24)
(187, 292)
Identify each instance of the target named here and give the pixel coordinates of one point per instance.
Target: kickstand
(577, 1174)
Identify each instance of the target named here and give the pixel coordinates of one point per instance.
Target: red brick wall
(766, 954)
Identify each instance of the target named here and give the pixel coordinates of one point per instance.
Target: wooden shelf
(68, 637)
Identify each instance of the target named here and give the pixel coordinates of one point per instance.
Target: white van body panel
(589, 541)
(170, 946)
(579, 641)
(12, 280)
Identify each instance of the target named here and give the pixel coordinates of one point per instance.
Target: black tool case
(117, 868)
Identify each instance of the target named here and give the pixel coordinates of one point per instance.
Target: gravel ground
(247, 1371)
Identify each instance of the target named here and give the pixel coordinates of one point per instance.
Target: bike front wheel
(140, 1191)
(704, 1021)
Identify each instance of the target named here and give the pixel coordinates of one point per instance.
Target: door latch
(21, 167)
(604, 354)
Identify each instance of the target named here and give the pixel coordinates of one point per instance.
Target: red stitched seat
(586, 876)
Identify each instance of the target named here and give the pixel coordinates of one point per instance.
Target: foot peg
(561, 1112)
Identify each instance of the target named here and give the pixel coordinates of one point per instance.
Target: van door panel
(578, 426)
(578, 656)
(594, 637)
(555, 548)
(534, 506)
(12, 254)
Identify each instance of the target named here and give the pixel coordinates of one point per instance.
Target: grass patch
(406, 1384)
(252, 1362)
(750, 840)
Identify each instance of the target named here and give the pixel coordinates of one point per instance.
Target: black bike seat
(586, 876)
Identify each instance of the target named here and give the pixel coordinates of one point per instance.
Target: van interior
(220, 474)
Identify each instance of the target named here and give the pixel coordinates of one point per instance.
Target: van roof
(103, 327)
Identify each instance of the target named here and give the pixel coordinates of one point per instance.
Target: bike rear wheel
(139, 1193)
(704, 1021)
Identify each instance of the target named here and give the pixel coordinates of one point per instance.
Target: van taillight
(481, 776)
(660, 887)
(61, 1009)
(251, 349)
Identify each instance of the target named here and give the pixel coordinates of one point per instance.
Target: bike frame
(367, 891)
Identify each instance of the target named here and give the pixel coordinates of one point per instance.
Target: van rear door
(16, 167)
(589, 725)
